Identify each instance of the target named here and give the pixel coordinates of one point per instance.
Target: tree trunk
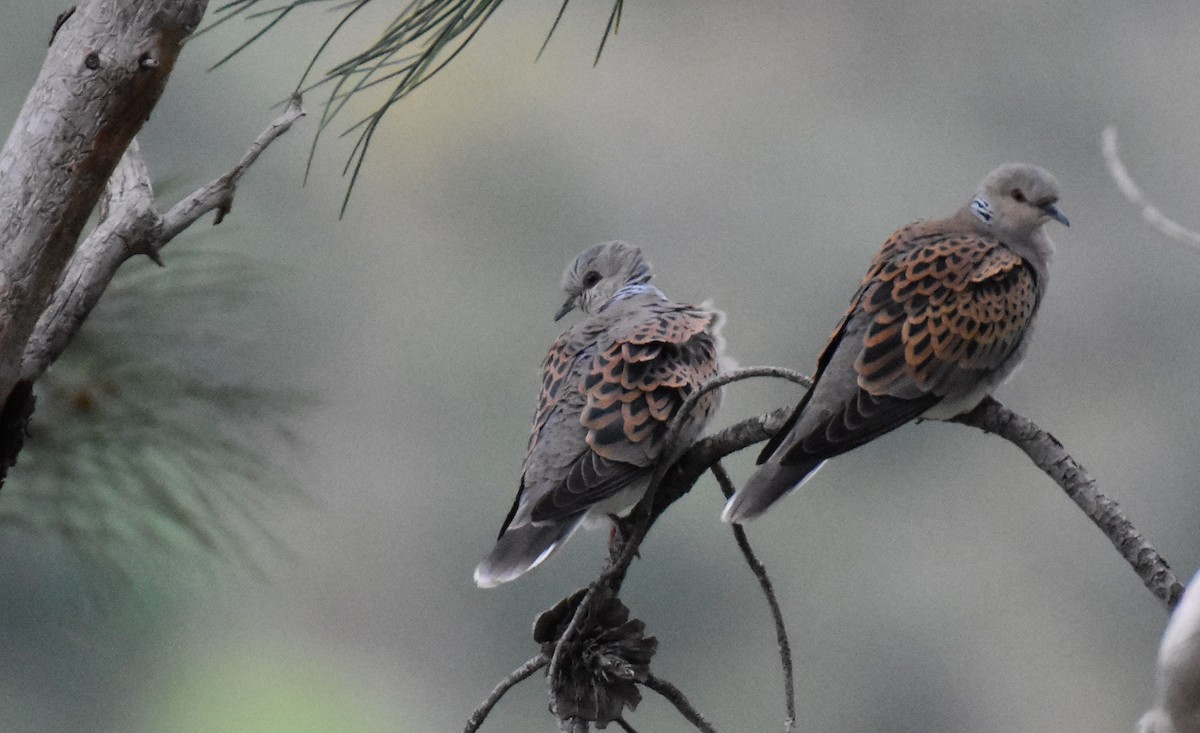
(106, 68)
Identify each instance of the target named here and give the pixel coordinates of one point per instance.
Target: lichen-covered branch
(128, 222)
(1051, 457)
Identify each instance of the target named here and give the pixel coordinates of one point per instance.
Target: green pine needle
(419, 42)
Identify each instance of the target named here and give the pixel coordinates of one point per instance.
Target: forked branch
(131, 225)
(668, 485)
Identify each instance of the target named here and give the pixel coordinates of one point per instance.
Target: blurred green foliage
(145, 457)
(262, 688)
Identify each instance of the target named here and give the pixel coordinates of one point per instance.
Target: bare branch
(707, 451)
(681, 703)
(1149, 211)
(130, 226)
(1049, 455)
(764, 581)
(105, 71)
(648, 509)
(1046, 452)
(218, 195)
(518, 675)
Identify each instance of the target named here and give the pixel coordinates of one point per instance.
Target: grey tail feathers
(771, 481)
(520, 549)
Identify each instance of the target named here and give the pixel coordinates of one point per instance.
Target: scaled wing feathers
(942, 308)
(628, 384)
(935, 312)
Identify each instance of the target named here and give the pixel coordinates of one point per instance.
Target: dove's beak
(1053, 212)
(566, 308)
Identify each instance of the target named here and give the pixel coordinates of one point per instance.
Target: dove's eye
(1017, 195)
(590, 278)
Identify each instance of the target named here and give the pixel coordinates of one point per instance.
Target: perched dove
(610, 386)
(941, 319)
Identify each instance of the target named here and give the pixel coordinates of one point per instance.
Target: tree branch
(1149, 211)
(518, 675)
(681, 703)
(130, 225)
(990, 416)
(218, 195)
(1051, 457)
(764, 581)
(105, 71)
(648, 509)
(704, 453)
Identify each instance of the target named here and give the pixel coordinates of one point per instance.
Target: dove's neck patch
(982, 209)
(633, 289)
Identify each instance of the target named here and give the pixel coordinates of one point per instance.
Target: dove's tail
(520, 549)
(769, 483)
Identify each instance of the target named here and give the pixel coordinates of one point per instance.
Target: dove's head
(599, 273)
(1016, 199)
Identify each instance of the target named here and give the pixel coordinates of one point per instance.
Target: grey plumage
(941, 318)
(610, 386)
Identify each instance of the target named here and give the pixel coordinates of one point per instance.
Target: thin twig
(647, 510)
(1149, 211)
(130, 226)
(706, 451)
(415, 46)
(644, 514)
(567, 637)
(518, 675)
(764, 581)
(218, 195)
(625, 726)
(680, 701)
(1049, 455)
(1042, 448)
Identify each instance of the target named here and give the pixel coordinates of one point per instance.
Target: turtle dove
(610, 387)
(942, 317)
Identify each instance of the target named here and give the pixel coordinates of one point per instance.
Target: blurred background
(759, 152)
